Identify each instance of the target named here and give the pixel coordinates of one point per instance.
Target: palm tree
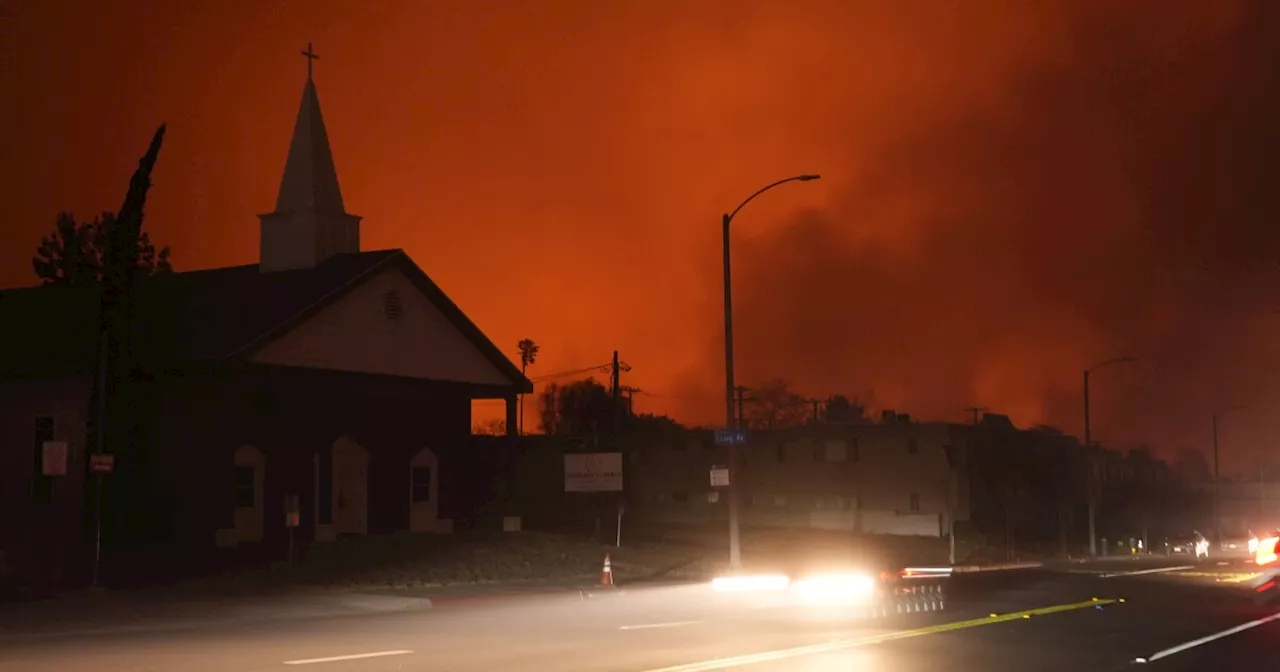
(528, 355)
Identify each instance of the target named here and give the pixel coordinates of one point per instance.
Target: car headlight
(835, 587)
(743, 584)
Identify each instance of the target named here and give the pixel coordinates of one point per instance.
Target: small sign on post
(719, 477)
(734, 436)
(102, 463)
(54, 458)
(292, 516)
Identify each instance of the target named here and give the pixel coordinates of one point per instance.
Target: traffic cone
(606, 574)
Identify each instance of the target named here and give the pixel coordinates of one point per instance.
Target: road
(1094, 617)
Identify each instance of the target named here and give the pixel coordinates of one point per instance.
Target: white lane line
(1205, 640)
(1147, 571)
(354, 656)
(647, 626)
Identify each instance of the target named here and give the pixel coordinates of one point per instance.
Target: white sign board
(54, 461)
(593, 472)
(719, 477)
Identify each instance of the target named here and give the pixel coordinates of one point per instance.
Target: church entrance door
(350, 487)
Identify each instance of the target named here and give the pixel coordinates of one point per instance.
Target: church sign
(593, 472)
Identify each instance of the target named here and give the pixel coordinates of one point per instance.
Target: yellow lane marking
(782, 654)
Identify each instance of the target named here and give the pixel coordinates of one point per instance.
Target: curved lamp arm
(796, 178)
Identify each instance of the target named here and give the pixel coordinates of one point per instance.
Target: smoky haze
(1114, 193)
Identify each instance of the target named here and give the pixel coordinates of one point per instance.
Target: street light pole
(735, 551)
(1092, 485)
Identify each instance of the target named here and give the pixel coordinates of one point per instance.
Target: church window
(391, 305)
(421, 485)
(245, 490)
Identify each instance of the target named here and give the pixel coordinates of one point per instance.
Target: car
(1238, 546)
(1195, 545)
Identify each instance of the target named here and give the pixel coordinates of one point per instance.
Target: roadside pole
(618, 540)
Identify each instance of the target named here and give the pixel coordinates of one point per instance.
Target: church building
(321, 392)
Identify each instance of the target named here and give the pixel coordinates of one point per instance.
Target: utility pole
(616, 369)
(616, 392)
(742, 398)
(1217, 520)
(1217, 517)
(1090, 485)
(628, 396)
(974, 411)
(101, 448)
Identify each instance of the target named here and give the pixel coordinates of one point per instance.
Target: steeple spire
(310, 222)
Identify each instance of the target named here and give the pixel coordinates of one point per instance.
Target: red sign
(102, 463)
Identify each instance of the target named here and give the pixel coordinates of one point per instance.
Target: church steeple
(310, 222)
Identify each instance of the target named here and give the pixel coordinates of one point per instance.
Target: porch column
(513, 419)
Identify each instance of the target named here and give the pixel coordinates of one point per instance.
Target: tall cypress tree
(114, 398)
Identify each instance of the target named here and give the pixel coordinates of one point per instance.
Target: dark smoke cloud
(1118, 196)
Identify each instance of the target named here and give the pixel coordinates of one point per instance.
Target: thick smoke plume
(1116, 194)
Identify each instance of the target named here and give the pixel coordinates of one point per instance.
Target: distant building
(341, 377)
(888, 478)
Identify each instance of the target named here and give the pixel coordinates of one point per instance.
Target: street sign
(102, 463)
(719, 477)
(54, 462)
(735, 436)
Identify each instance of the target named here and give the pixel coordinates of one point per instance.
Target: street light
(1088, 447)
(735, 553)
(1217, 520)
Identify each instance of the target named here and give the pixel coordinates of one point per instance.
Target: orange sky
(1011, 191)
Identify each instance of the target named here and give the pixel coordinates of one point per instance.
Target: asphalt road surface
(1114, 616)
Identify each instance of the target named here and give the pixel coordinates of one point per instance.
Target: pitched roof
(222, 314)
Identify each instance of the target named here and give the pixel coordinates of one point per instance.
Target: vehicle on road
(854, 593)
(1239, 546)
(1268, 588)
(1195, 545)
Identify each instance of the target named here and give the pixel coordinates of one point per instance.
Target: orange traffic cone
(606, 574)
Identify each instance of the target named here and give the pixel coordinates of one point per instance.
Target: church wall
(196, 424)
(292, 416)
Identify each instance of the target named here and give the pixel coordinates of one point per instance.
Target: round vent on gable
(391, 305)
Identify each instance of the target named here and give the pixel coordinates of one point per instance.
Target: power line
(607, 367)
